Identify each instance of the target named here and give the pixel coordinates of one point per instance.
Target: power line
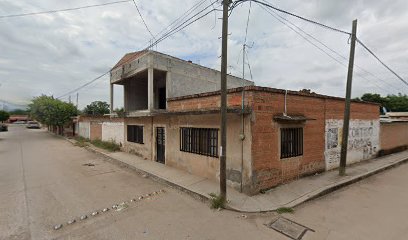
(295, 15)
(84, 85)
(183, 16)
(385, 65)
(183, 25)
(166, 35)
(144, 22)
(63, 10)
(278, 17)
(332, 50)
(247, 23)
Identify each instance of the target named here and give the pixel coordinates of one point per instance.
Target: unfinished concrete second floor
(149, 78)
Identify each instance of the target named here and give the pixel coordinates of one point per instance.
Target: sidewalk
(287, 195)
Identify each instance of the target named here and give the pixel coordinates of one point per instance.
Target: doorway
(160, 145)
(162, 98)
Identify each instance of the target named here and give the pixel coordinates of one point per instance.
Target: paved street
(43, 182)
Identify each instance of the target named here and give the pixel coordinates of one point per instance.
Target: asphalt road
(44, 182)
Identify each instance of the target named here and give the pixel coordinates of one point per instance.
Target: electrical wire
(295, 15)
(315, 45)
(247, 23)
(379, 60)
(182, 25)
(63, 10)
(166, 35)
(84, 85)
(144, 22)
(332, 50)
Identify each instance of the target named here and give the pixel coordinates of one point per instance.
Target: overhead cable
(63, 10)
(166, 35)
(295, 15)
(330, 49)
(280, 19)
(144, 22)
(379, 60)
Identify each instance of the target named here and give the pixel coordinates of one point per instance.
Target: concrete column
(125, 97)
(168, 86)
(150, 94)
(111, 98)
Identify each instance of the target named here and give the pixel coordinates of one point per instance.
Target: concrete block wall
(196, 164)
(114, 130)
(102, 128)
(84, 129)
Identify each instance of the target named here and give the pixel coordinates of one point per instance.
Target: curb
(204, 198)
(328, 189)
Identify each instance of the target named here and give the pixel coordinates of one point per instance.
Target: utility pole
(77, 100)
(223, 147)
(69, 99)
(346, 120)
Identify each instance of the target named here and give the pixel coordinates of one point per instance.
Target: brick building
(273, 136)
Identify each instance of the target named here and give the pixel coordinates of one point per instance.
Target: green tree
(373, 97)
(4, 116)
(96, 108)
(52, 112)
(19, 112)
(394, 103)
(397, 103)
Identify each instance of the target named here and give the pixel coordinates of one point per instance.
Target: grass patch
(110, 146)
(80, 144)
(284, 210)
(81, 141)
(216, 201)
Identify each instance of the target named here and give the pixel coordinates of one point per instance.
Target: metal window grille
(135, 134)
(291, 142)
(203, 141)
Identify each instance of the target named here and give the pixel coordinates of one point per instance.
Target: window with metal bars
(135, 134)
(291, 142)
(203, 141)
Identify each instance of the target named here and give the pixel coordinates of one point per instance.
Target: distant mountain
(8, 106)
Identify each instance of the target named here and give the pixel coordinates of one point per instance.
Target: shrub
(217, 201)
(110, 146)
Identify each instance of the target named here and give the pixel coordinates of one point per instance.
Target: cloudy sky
(55, 53)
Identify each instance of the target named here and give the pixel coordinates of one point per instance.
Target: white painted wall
(363, 142)
(84, 129)
(113, 131)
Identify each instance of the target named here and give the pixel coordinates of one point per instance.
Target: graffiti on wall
(363, 141)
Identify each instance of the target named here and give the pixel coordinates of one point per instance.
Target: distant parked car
(19, 122)
(3, 127)
(33, 124)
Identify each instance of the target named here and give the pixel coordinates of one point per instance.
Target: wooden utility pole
(346, 120)
(223, 147)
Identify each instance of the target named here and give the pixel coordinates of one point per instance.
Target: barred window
(291, 142)
(202, 141)
(135, 134)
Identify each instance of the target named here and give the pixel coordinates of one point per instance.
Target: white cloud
(54, 53)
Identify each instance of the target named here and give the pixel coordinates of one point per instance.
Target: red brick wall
(269, 169)
(393, 135)
(207, 102)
